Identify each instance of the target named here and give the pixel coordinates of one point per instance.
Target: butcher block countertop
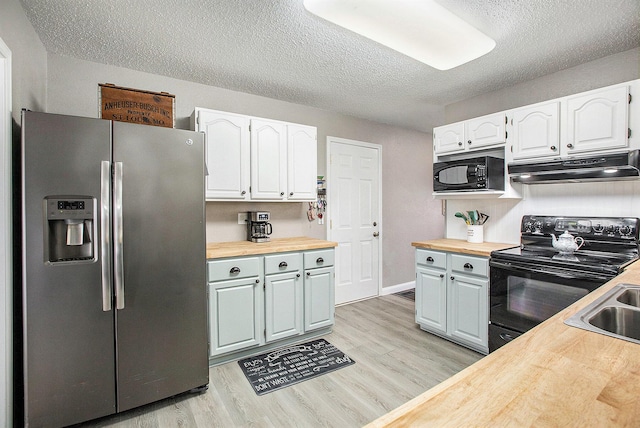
(554, 375)
(462, 246)
(218, 250)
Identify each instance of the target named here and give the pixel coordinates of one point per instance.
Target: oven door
(522, 295)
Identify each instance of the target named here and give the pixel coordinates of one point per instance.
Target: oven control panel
(625, 228)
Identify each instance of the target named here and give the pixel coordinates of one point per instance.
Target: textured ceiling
(276, 49)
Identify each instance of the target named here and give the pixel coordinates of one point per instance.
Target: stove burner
(608, 252)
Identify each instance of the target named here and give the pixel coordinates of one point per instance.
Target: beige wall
(605, 71)
(28, 59)
(409, 212)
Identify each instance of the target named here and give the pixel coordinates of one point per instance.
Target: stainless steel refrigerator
(113, 266)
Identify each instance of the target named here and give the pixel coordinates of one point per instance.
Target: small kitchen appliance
(472, 174)
(258, 226)
(545, 274)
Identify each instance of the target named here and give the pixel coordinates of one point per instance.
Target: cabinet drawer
(431, 258)
(219, 270)
(321, 258)
(284, 262)
(470, 265)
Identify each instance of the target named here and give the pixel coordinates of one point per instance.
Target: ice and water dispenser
(70, 229)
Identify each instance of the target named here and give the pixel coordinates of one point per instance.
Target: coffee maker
(258, 226)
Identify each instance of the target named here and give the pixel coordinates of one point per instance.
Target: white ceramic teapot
(566, 243)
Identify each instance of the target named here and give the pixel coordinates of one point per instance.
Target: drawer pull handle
(468, 266)
(234, 270)
(506, 337)
(430, 259)
(297, 275)
(283, 264)
(308, 273)
(441, 275)
(257, 281)
(319, 260)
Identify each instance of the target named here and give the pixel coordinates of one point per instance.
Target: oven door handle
(553, 272)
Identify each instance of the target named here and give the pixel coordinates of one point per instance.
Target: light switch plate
(242, 218)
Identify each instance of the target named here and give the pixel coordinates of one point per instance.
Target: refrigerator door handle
(117, 232)
(105, 229)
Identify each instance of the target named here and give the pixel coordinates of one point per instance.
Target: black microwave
(481, 173)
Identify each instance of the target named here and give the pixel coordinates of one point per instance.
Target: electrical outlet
(242, 218)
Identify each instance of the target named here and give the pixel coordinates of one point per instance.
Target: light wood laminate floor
(395, 361)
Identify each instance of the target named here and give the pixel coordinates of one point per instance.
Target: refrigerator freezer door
(162, 330)
(68, 352)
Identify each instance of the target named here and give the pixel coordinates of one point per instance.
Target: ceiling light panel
(421, 29)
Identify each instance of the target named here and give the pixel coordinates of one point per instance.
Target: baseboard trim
(398, 288)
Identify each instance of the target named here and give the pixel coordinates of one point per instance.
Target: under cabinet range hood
(608, 167)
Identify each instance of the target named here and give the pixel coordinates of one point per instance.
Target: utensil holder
(475, 234)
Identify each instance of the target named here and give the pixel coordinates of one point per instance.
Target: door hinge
(265, 333)
(628, 132)
(630, 97)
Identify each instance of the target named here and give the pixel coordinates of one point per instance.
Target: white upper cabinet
(226, 154)
(449, 138)
(485, 131)
(536, 131)
(589, 122)
(478, 133)
(257, 159)
(302, 162)
(268, 160)
(597, 120)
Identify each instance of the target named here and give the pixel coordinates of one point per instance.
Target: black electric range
(532, 282)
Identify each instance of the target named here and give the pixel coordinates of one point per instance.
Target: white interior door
(354, 217)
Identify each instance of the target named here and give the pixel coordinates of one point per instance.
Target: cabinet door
(319, 298)
(597, 121)
(283, 305)
(235, 315)
(302, 163)
(468, 309)
(485, 131)
(449, 138)
(536, 131)
(226, 154)
(268, 160)
(431, 298)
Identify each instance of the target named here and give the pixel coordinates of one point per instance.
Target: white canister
(475, 234)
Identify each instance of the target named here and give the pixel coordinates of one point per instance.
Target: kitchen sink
(615, 314)
(630, 297)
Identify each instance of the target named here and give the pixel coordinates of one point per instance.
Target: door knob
(376, 234)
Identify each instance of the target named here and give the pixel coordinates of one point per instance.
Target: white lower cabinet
(260, 302)
(319, 289)
(283, 296)
(452, 297)
(236, 302)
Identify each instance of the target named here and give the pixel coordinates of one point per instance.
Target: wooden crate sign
(136, 106)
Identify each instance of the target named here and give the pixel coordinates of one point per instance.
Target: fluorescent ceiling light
(421, 29)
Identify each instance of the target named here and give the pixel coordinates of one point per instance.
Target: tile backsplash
(596, 199)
